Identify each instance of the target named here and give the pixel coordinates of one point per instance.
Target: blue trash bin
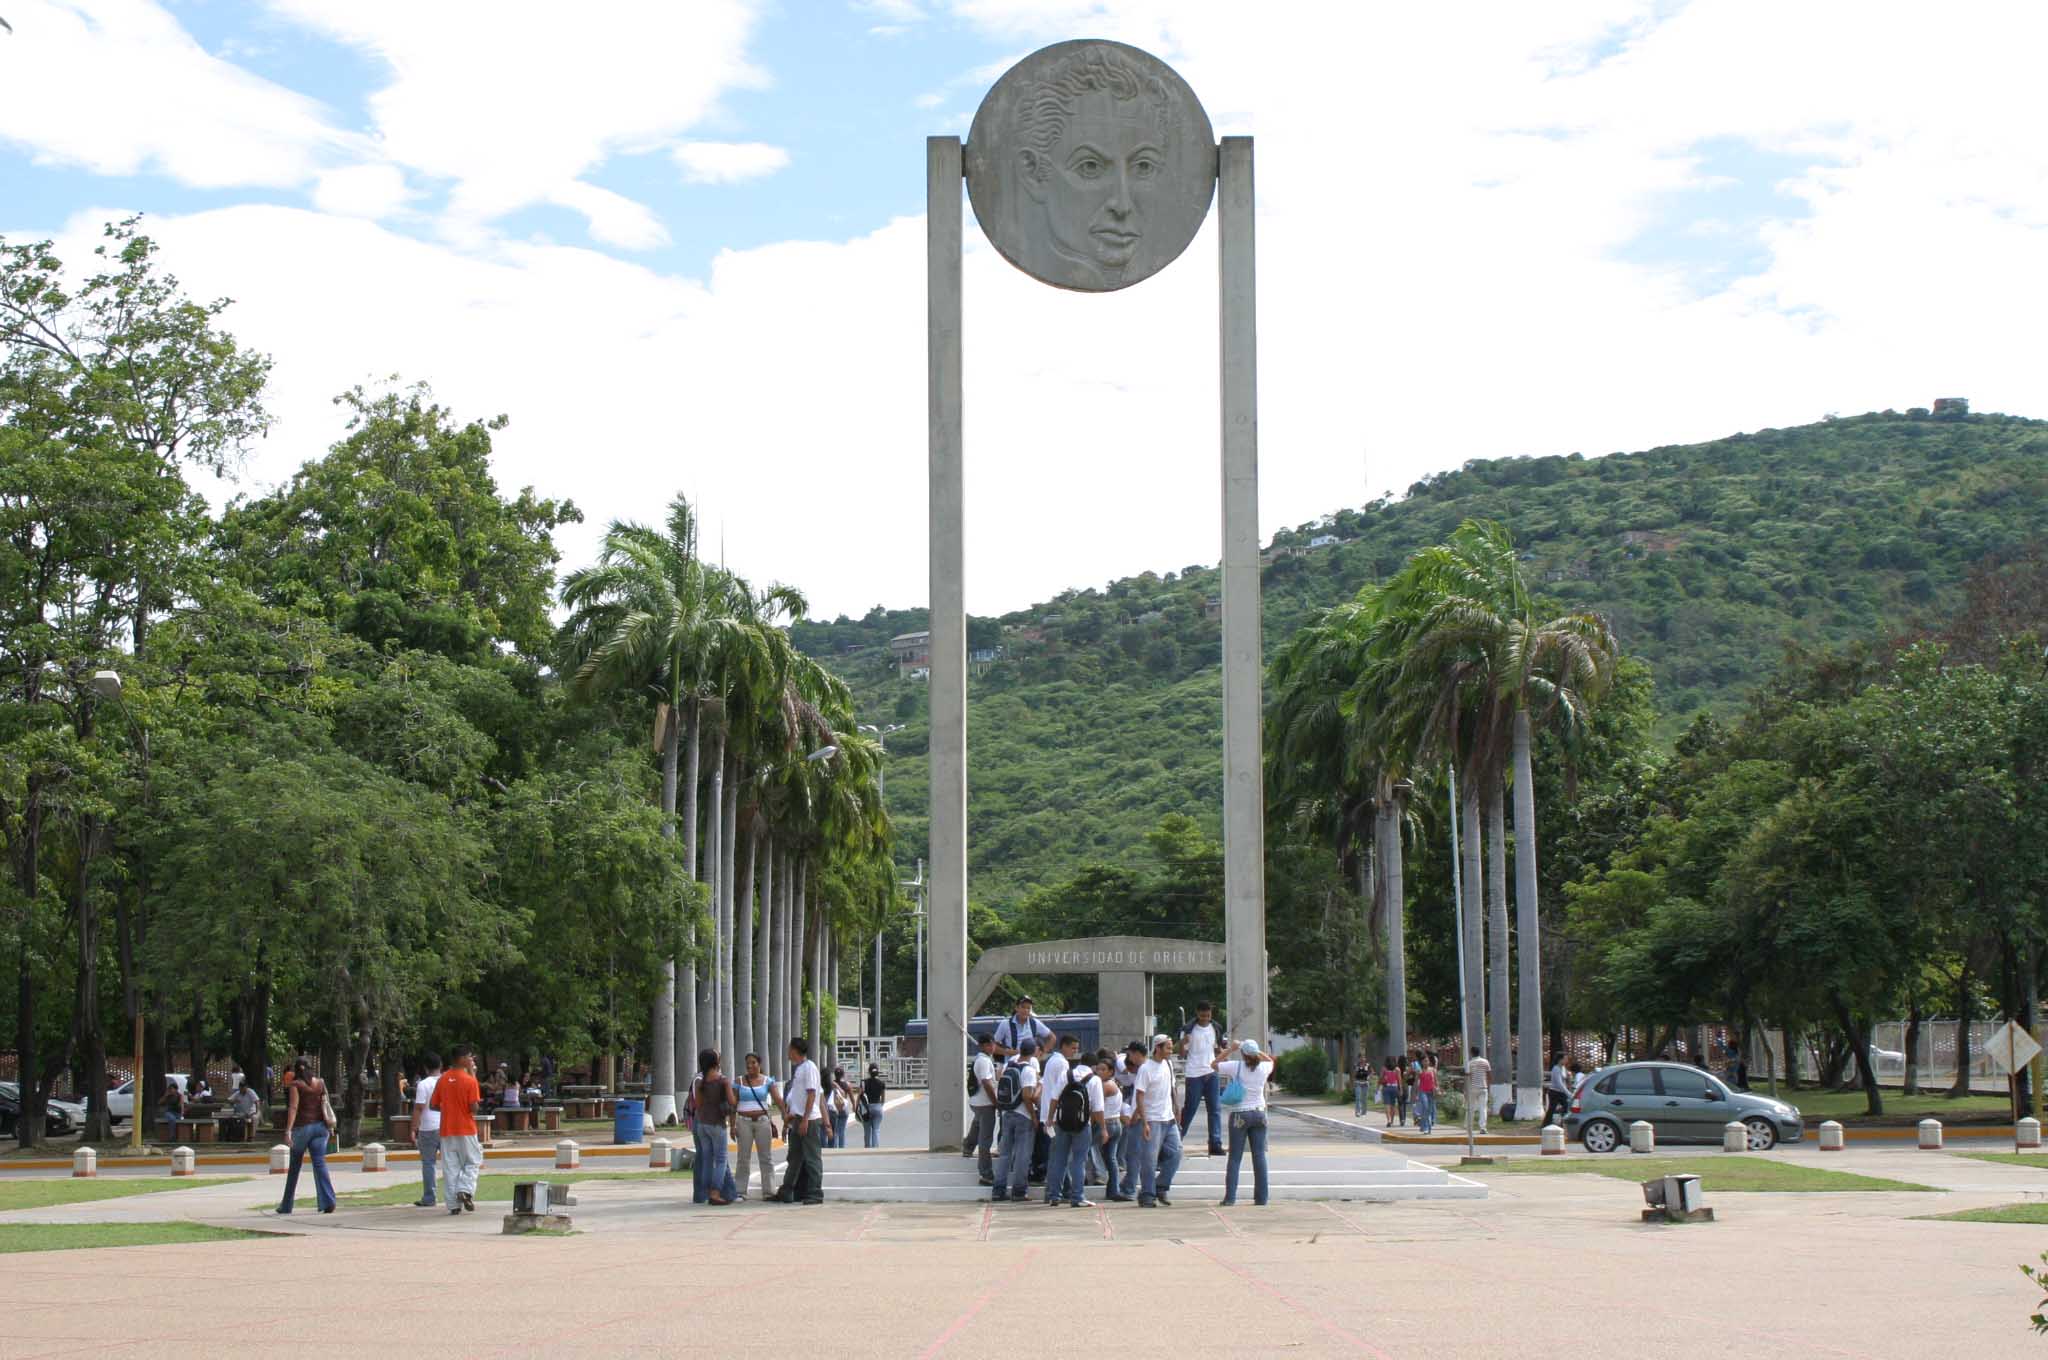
(629, 1121)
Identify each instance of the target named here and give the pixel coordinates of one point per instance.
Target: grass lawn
(72, 1236)
(2034, 1211)
(2036, 1160)
(43, 1194)
(1850, 1107)
(489, 1188)
(1715, 1173)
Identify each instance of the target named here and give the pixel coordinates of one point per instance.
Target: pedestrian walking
(307, 1122)
(1127, 1081)
(1557, 1091)
(839, 1099)
(1158, 1127)
(1478, 1081)
(981, 1104)
(1363, 1086)
(867, 1106)
(1425, 1095)
(426, 1127)
(456, 1096)
(1245, 1067)
(1406, 1068)
(1199, 1044)
(803, 1179)
(716, 1107)
(755, 1095)
(1390, 1088)
(1016, 1097)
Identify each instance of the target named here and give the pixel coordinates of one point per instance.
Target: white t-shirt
(1254, 1079)
(1054, 1083)
(1201, 1054)
(1478, 1074)
(984, 1077)
(1094, 1086)
(803, 1083)
(423, 1095)
(1155, 1083)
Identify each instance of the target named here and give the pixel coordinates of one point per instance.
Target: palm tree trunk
(817, 1029)
(661, 1082)
(686, 975)
(785, 963)
(728, 877)
(764, 1001)
(714, 817)
(1499, 1015)
(743, 952)
(1387, 849)
(1474, 909)
(1528, 928)
(800, 928)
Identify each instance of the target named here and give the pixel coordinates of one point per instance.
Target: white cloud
(118, 87)
(728, 162)
(361, 190)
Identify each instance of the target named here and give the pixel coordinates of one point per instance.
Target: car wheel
(1600, 1136)
(1762, 1137)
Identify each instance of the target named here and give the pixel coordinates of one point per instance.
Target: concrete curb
(1349, 1130)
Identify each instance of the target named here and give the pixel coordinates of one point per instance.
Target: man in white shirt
(981, 1105)
(1478, 1078)
(1020, 1124)
(1127, 1081)
(1076, 1117)
(803, 1175)
(1158, 1145)
(426, 1127)
(1199, 1044)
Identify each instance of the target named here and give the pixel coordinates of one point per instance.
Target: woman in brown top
(716, 1109)
(305, 1122)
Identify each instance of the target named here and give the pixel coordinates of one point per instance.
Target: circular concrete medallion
(1091, 165)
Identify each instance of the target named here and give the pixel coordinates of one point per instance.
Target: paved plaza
(1539, 1265)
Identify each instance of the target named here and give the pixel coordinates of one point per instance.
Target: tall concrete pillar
(1124, 1000)
(1244, 801)
(946, 994)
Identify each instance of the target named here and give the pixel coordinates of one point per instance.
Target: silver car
(1683, 1104)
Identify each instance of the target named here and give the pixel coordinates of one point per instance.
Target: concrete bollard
(568, 1156)
(2026, 1135)
(280, 1159)
(1553, 1140)
(658, 1154)
(373, 1157)
(184, 1162)
(1830, 1136)
(1735, 1136)
(1642, 1137)
(85, 1162)
(1930, 1135)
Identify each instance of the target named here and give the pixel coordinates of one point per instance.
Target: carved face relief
(1091, 165)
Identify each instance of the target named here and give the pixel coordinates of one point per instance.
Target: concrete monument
(1091, 166)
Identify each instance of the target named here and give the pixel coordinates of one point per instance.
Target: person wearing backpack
(867, 1107)
(1074, 1109)
(1016, 1098)
(981, 1104)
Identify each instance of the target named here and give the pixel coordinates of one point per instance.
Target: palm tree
(640, 622)
(1504, 669)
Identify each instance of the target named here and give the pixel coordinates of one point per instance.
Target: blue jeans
(838, 1129)
(1361, 1097)
(711, 1169)
(1067, 1168)
(1132, 1145)
(1425, 1110)
(1158, 1159)
(1247, 1126)
(871, 1130)
(1203, 1089)
(309, 1138)
(430, 1148)
(1104, 1157)
(1013, 1163)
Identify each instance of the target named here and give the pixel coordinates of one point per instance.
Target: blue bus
(1085, 1026)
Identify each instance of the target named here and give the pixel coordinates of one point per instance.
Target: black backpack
(973, 1086)
(1010, 1086)
(1072, 1115)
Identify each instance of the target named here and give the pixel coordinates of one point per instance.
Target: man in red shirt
(462, 1154)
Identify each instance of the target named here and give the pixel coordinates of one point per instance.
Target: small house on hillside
(913, 652)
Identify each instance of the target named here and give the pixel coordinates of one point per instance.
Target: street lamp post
(107, 684)
(881, 735)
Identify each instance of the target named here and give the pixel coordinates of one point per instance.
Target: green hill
(1104, 712)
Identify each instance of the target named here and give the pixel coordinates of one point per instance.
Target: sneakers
(1217, 1152)
(1083, 1203)
(1144, 1203)
(1164, 1201)
(455, 1209)
(423, 1204)
(988, 1180)
(1119, 1199)
(468, 1202)
(999, 1197)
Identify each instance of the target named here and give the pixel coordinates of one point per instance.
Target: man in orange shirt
(462, 1154)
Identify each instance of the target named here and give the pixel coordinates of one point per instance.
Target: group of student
(1046, 1112)
(1404, 1086)
(814, 1110)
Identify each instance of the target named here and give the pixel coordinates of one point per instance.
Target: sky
(680, 244)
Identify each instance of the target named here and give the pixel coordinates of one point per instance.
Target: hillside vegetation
(1105, 712)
